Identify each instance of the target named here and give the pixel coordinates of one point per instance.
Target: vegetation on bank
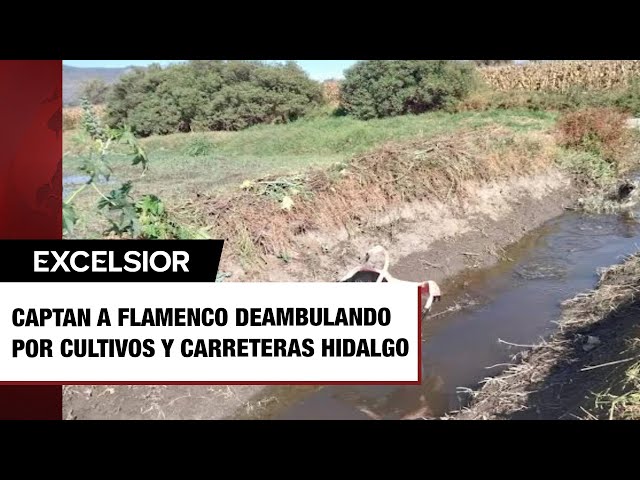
(125, 215)
(217, 163)
(619, 398)
(601, 145)
(185, 165)
(589, 369)
(591, 143)
(267, 215)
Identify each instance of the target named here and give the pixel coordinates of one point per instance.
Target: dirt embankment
(406, 196)
(431, 239)
(439, 205)
(588, 369)
(434, 239)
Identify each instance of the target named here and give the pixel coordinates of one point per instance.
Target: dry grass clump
(599, 149)
(266, 215)
(617, 286)
(562, 75)
(602, 131)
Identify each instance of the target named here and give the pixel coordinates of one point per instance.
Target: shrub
(600, 131)
(137, 100)
(211, 95)
(589, 169)
(628, 99)
(385, 88)
(198, 146)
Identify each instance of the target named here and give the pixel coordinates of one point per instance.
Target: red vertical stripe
(420, 289)
(30, 189)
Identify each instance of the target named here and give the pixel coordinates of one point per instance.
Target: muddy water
(516, 301)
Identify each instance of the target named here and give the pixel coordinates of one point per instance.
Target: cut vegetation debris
(617, 200)
(266, 216)
(246, 187)
(197, 166)
(588, 370)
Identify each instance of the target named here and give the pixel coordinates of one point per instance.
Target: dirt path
(157, 402)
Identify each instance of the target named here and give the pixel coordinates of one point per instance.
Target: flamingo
(368, 273)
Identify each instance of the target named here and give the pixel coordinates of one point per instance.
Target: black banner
(110, 260)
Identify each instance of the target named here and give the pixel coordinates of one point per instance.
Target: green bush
(198, 146)
(589, 168)
(628, 100)
(386, 88)
(211, 95)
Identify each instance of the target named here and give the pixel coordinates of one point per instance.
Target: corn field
(331, 92)
(71, 116)
(560, 76)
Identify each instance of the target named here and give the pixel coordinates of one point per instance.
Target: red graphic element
(31, 189)
(420, 297)
(30, 205)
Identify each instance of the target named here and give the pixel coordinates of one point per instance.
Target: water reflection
(517, 300)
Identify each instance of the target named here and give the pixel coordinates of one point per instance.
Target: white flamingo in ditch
(368, 273)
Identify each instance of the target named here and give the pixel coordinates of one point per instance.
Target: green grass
(345, 136)
(625, 405)
(231, 157)
(183, 165)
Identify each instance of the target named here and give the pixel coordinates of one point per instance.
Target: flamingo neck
(383, 273)
(386, 261)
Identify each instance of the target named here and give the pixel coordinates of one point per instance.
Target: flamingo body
(430, 291)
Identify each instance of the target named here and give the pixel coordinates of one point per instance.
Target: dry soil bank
(427, 240)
